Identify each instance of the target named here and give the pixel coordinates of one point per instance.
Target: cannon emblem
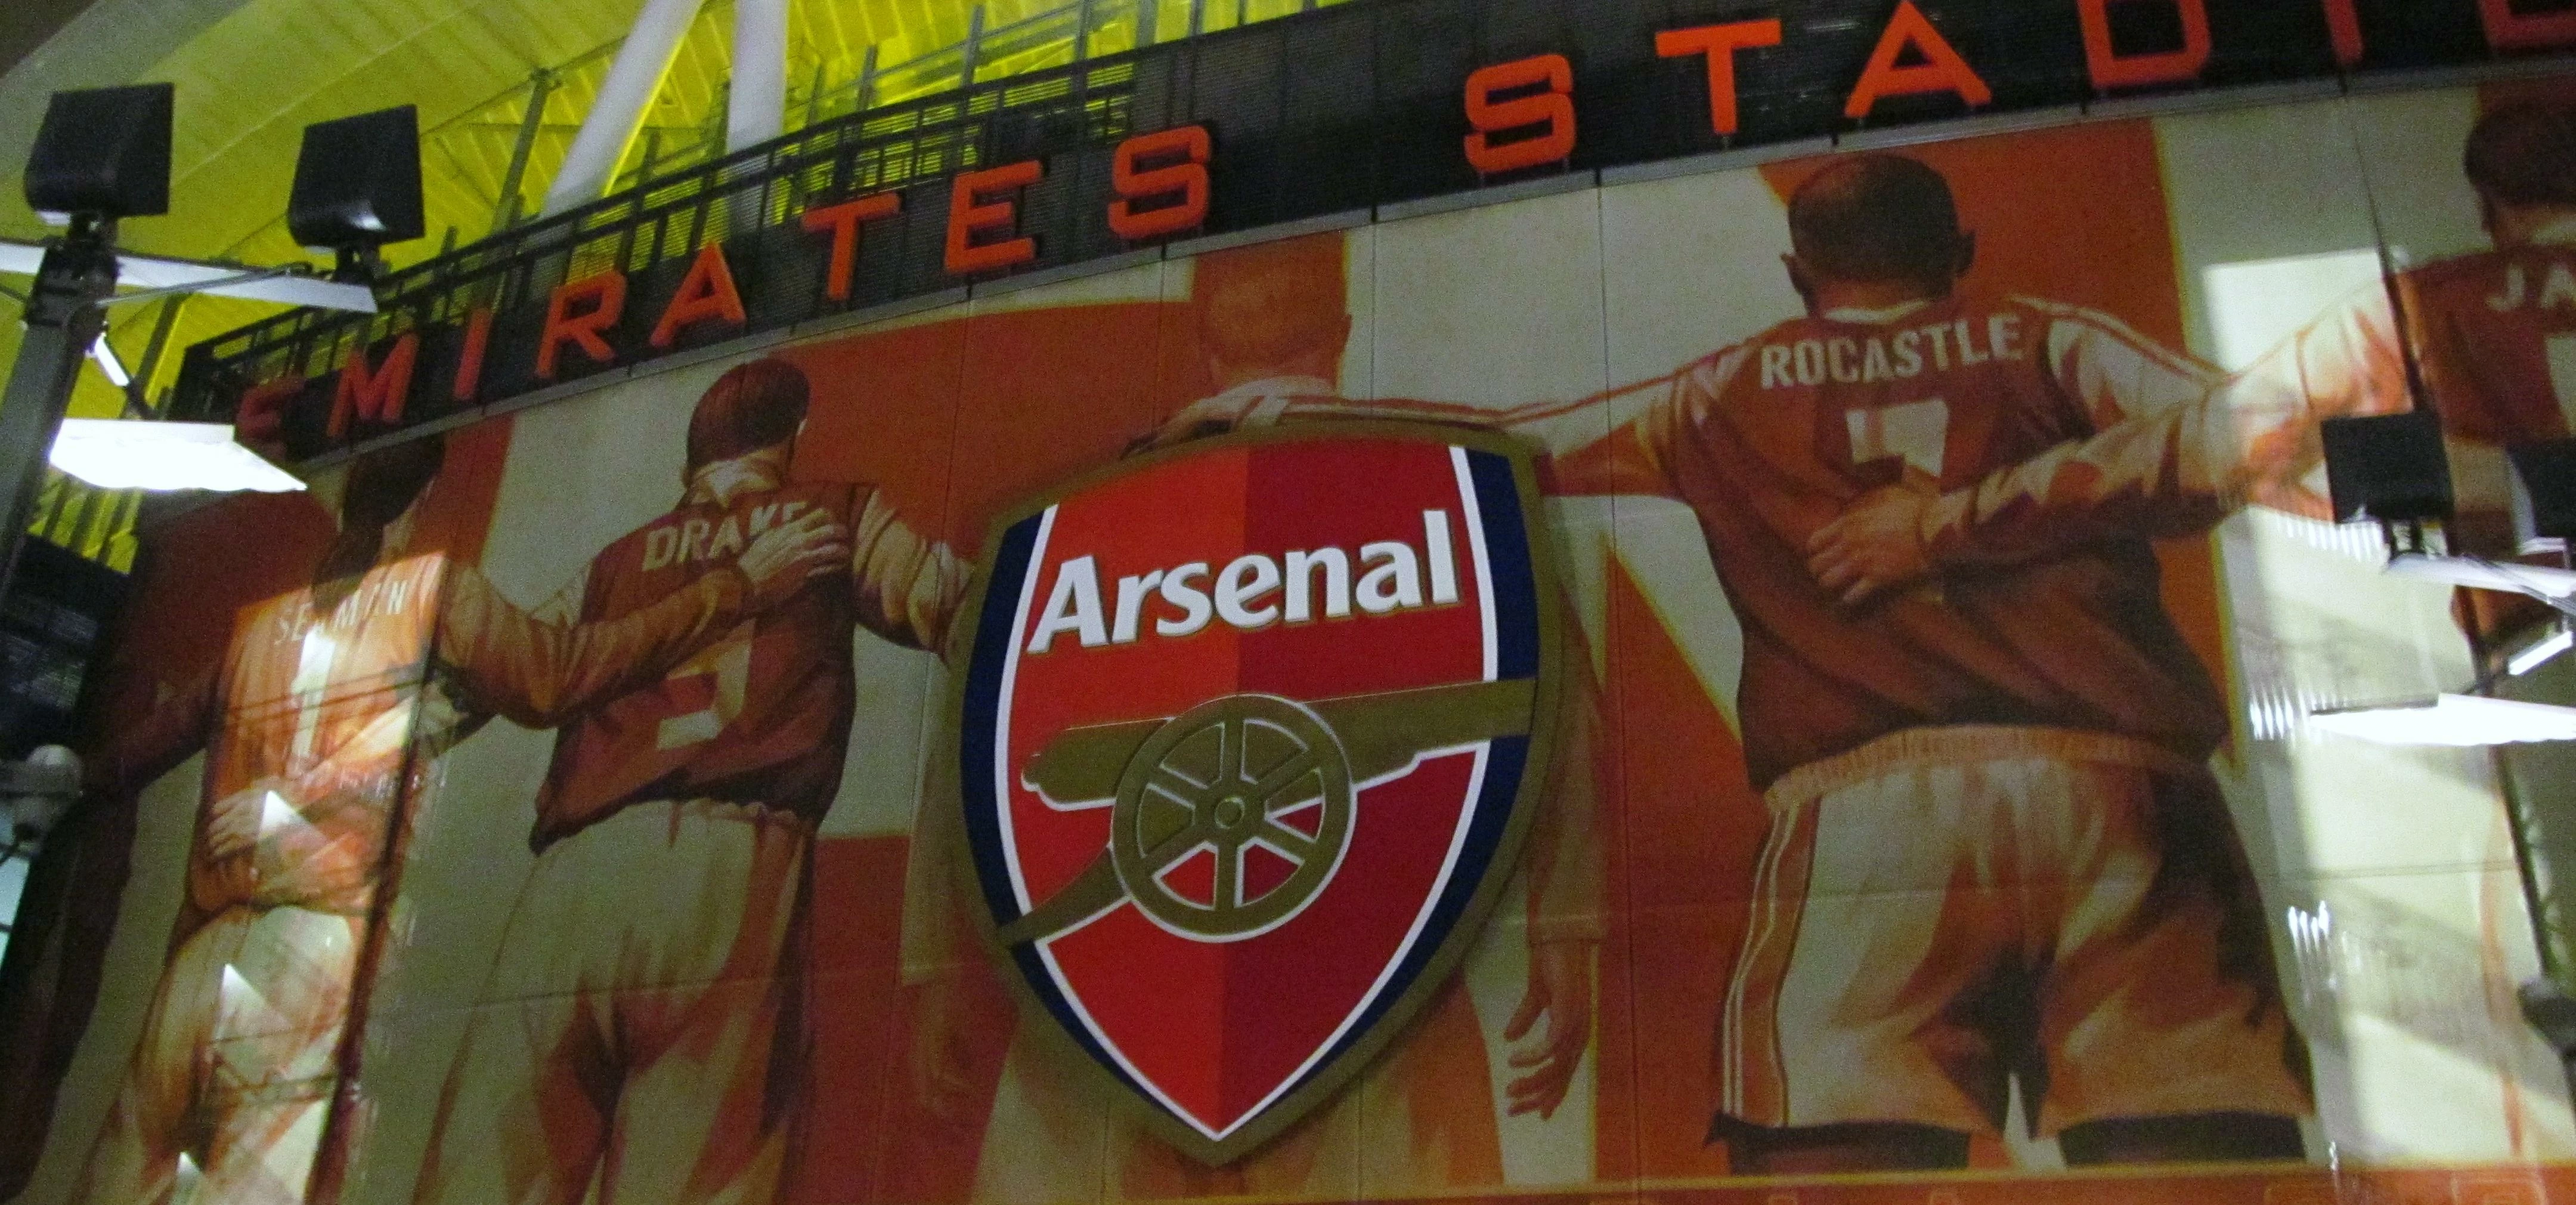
(1240, 772)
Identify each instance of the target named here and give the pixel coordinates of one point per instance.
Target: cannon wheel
(1228, 776)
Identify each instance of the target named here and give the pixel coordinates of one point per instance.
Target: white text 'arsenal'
(1251, 592)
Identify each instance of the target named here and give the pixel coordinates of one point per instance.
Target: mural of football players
(317, 722)
(1272, 323)
(1996, 851)
(642, 1034)
(2492, 333)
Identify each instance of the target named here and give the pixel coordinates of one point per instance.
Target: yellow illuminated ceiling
(251, 74)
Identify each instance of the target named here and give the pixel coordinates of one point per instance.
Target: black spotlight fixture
(357, 188)
(2391, 468)
(100, 155)
(2544, 493)
(103, 154)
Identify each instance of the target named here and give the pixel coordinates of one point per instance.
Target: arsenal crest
(1247, 736)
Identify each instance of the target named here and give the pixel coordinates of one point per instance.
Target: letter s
(1192, 601)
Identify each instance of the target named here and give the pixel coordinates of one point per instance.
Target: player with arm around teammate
(2492, 335)
(1996, 853)
(325, 696)
(643, 1034)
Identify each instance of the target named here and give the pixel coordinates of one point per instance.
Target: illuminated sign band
(1365, 104)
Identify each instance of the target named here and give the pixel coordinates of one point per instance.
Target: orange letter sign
(262, 413)
(1186, 180)
(969, 215)
(706, 294)
(2111, 69)
(376, 396)
(2510, 30)
(2345, 26)
(1942, 69)
(843, 221)
(1719, 43)
(469, 359)
(1554, 107)
(604, 299)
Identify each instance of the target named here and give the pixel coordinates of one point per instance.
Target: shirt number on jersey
(1917, 433)
(722, 670)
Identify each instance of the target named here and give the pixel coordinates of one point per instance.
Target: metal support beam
(756, 99)
(633, 80)
(138, 387)
(514, 202)
(1148, 12)
(974, 45)
(63, 319)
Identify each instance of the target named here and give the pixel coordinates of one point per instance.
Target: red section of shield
(1218, 1030)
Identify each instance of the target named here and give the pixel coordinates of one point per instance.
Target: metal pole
(1198, 17)
(867, 80)
(1082, 31)
(63, 319)
(756, 97)
(138, 387)
(1148, 13)
(541, 88)
(974, 36)
(590, 167)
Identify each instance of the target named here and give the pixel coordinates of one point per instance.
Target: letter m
(375, 395)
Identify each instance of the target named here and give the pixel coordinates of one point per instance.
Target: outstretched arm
(130, 758)
(2174, 448)
(1608, 443)
(1567, 870)
(538, 674)
(908, 586)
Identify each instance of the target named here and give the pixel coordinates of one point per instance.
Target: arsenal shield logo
(1247, 736)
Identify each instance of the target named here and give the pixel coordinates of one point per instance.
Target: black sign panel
(1328, 112)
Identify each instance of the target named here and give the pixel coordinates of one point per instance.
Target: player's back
(759, 716)
(300, 683)
(1796, 425)
(2496, 334)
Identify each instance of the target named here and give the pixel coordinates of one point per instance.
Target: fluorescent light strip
(2540, 652)
(2454, 720)
(134, 455)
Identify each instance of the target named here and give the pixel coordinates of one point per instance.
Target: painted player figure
(643, 1035)
(1996, 852)
(2492, 332)
(1273, 323)
(325, 698)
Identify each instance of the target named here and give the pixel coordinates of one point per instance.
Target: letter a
(706, 294)
(1942, 69)
(1074, 606)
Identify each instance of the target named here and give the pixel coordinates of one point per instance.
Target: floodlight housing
(2544, 493)
(2388, 467)
(103, 153)
(357, 182)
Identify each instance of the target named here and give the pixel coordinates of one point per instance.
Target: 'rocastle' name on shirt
(1252, 592)
(1900, 356)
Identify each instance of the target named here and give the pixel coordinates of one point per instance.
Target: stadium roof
(251, 74)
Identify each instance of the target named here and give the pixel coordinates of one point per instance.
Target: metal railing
(662, 222)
